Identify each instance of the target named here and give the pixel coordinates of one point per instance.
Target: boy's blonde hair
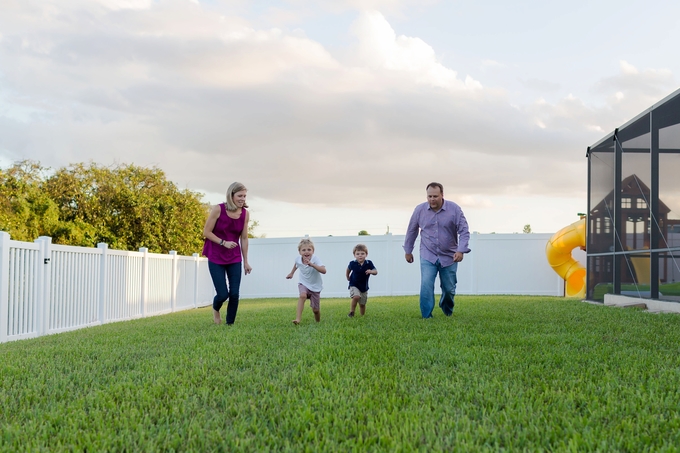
(305, 241)
(360, 248)
(233, 188)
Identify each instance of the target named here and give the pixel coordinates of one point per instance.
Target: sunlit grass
(514, 373)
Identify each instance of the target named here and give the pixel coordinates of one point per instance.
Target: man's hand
(457, 257)
(409, 257)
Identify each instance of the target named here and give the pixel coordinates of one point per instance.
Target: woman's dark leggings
(220, 273)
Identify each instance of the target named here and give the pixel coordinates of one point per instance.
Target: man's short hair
(435, 184)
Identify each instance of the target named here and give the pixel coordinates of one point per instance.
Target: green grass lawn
(504, 373)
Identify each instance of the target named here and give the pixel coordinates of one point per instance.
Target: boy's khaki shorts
(354, 291)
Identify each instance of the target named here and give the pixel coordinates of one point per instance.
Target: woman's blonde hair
(305, 241)
(233, 188)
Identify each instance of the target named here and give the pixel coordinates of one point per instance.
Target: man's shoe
(351, 314)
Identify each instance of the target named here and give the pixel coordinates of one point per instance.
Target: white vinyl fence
(47, 288)
(498, 264)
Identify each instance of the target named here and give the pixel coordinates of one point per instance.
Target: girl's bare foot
(296, 322)
(216, 317)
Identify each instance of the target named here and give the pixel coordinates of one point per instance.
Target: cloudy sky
(337, 113)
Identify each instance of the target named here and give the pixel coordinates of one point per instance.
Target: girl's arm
(289, 276)
(319, 269)
(244, 245)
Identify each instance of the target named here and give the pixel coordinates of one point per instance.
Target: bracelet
(221, 242)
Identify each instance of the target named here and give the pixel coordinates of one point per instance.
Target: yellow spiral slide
(558, 251)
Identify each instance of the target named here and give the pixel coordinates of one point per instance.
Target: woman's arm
(210, 225)
(244, 245)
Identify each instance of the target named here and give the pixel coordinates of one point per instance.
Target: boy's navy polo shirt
(358, 276)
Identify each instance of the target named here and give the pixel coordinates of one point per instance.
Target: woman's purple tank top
(230, 230)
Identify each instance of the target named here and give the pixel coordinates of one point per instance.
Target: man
(444, 238)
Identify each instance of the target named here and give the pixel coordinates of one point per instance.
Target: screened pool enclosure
(633, 229)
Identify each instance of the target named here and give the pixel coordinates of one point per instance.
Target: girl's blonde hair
(305, 241)
(233, 188)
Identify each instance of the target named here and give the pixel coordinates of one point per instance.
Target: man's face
(435, 198)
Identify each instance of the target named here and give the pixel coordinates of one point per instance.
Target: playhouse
(633, 222)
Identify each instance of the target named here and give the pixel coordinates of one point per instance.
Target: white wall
(498, 264)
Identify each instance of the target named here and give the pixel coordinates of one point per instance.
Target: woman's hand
(229, 244)
(247, 268)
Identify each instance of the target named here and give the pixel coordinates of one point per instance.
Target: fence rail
(47, 288)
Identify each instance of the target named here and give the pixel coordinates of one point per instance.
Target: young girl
(310, 283)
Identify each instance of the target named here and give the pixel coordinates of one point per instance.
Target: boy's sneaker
(351, 314)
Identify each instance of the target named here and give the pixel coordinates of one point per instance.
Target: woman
(227, 225)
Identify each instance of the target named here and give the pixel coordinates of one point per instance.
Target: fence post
(195, 255)
(44, 305)
(388, 268)
(145, 280)
(173, 280)
(4, 285)
(474, 238)
(103, 280)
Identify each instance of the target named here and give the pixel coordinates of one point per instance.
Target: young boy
(310, 283)
(357, 274)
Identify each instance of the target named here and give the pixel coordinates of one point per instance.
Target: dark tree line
(126, 206)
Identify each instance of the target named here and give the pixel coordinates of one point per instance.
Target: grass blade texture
(504, 373)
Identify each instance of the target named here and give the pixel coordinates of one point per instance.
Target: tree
(252, 226)
(128, 207)
(363, 233)
(26, 212)
(527, 229)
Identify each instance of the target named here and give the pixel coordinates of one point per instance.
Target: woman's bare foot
(216, 317)
(296, 322)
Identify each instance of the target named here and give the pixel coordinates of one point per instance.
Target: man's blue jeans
(220, 273)
(447, 279)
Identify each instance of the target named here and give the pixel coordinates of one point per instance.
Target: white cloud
(211, 98)
(632, 90)
(381, 49)
(492, 64)
(628, 68)
(394, 7)
(126, 4)
(543, 86)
